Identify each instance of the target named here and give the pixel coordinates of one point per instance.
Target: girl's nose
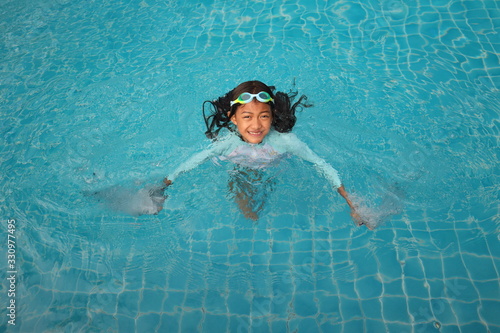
(256, 123)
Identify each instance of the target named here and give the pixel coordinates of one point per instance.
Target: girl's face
(253, 121)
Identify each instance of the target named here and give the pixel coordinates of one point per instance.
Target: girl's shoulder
(226, 142)
(277, 137)
(284, 142)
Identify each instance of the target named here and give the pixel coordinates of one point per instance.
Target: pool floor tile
(147, 322)
(392, 309)
(215, 323)
(350, 309)
(480, 268)
(305, 305)
(454, 267)
(238, 303)
(369, 287)
(191, 321)
(169, 322)
(490, 311)
(128, 303)
(443, 312)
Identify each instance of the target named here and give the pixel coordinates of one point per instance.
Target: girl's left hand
(354, 214)
(359, 220)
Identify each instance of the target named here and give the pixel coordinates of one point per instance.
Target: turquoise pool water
(108, 93)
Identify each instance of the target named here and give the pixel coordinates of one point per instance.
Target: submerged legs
(250, 190)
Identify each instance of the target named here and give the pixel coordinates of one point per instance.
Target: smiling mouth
(255, 133)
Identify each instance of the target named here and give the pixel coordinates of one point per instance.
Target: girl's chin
(254, 142)
(254, 139)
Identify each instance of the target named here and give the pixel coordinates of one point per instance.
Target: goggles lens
(246, 97)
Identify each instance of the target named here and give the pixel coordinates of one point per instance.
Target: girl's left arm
(345, 195)
(301, 150)
(295, 146)
(354, 212)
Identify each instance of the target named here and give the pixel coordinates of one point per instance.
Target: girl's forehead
(254, 106)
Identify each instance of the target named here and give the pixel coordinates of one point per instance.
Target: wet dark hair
(282, 109)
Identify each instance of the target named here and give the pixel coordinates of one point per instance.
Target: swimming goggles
(246, 97)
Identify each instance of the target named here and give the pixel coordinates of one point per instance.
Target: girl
(259, 121)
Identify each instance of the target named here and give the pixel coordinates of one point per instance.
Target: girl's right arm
(188, 165)
(217, 148)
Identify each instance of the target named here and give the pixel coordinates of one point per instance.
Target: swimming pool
(97, 94)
